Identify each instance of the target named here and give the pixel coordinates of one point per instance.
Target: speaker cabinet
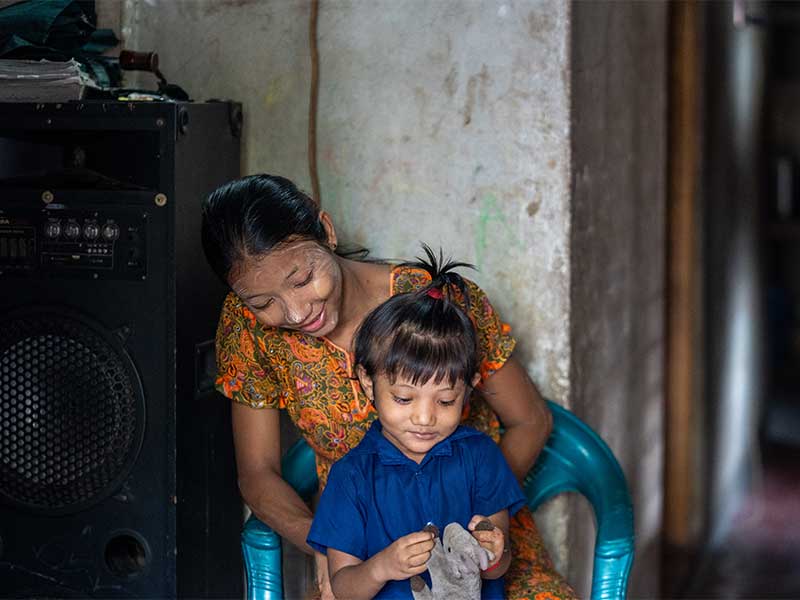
(117, 477)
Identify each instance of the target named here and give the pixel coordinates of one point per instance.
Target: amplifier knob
(91, 231)
(110, 231)
(72, 230)
(52, 230)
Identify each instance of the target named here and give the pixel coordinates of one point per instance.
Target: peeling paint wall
(619, 98)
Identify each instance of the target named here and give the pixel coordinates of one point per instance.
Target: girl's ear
(366, 382)
(330, 230)
(476, 379)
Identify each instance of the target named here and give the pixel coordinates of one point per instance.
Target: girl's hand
(405, 557)
(489, 537)
(323, 578)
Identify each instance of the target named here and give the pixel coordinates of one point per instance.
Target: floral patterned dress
(313, 380)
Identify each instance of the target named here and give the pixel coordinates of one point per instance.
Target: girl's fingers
(422, 549)
(474, 521)
(487, 535)
(418, 560)
(421, 545)
(411, 571)
(419, 537)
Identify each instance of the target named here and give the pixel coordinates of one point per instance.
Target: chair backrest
(574, 459)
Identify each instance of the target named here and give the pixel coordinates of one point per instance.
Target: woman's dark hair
(422, 334)
(251, 216)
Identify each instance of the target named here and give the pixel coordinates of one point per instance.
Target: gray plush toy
(455, 565)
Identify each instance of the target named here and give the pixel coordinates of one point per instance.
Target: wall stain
(490, 219)
(276, 91)
(472, 83)
(421, 100)
(533, 207)
(485, 82)
(477, 85)
(540, 24)
(451, 82)
(216, 6)
(328, 156)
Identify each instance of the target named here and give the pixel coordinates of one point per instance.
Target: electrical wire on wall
(312, 104)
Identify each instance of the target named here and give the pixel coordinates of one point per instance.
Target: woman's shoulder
(406, 278)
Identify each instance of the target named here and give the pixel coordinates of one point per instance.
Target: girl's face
(297, 286)
(415, 417)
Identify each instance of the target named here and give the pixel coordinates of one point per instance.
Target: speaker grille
(71, 412)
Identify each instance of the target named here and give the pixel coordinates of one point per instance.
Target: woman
(284, 341)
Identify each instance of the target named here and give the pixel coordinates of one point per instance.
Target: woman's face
(297, 286)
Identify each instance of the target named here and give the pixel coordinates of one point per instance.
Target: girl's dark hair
(251, 216)
(422, 334)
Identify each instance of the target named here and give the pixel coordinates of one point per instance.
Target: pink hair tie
(435, 293)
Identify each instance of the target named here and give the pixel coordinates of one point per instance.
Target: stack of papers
(41, 81)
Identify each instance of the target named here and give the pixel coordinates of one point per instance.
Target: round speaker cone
(71, 411)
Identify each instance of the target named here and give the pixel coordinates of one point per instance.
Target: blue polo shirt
(376, 495)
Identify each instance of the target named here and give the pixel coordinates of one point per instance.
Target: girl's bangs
(420, 358)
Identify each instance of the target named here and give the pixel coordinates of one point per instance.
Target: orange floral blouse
(313, 379)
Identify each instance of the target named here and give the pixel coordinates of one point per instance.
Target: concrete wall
(618, 241)
(456, 123)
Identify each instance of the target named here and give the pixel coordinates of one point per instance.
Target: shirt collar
(376, 443)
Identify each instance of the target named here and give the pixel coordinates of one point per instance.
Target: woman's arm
(256, 435)
(523, 413)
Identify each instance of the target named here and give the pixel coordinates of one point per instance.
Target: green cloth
(59, 30)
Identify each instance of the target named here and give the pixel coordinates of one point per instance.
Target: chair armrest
(576, 459)
(261, 546)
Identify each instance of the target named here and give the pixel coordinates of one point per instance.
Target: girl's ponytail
(445, 282)
(422, 334)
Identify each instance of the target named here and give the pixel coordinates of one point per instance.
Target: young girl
(417, 360)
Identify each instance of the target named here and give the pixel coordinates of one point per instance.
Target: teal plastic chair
(574, 459)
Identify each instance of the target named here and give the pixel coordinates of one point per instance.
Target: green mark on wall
(492, 227)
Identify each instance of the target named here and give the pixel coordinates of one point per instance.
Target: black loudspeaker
(117, 475)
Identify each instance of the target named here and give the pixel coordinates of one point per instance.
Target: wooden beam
(683, 308)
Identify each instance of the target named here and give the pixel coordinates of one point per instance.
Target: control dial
(91, 231)
(52, 229)
(110, 231)
(72, 230)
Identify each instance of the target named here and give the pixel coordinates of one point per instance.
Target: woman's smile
(316, 324)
